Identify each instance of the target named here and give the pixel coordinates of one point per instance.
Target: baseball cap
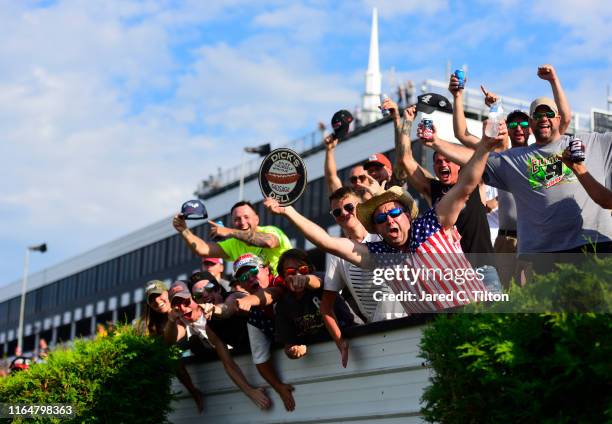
(247, 260)
(203, 276)
(340, 123)
(429, 102)
(543, 101)
(178, 289)
(155, 287)
(194, 209)
(516, 114)
(213, 260)
(380, 159)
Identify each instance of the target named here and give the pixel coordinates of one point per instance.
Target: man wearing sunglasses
(188, 318)
(555, 215)
(408, 240)
(472, 222)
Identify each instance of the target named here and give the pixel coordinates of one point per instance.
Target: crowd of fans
(539, 199)
(543, 202)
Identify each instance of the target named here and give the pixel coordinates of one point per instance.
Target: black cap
(194, 209)
(340, 123)
(516, 113)
(429, 102)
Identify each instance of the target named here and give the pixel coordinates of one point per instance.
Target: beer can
(460, 74)
(576, 150)
(427, 128)
(384, 111)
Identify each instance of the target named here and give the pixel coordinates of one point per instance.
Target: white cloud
(390, 9)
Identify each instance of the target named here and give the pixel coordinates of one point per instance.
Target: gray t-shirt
(554, 212)
(507, 210)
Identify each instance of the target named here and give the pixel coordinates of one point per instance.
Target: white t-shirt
(341, 273)
(198, 328)
(260, 344)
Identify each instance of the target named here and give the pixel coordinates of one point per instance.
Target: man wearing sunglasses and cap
(357, 175)
(555, 215)
(406, 239)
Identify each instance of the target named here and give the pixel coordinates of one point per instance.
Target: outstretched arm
(600, 194)
(452, 203)
(355, 253)
(174, 330)
(251, 236)
(548, 73)
(195, 243)
(331, 173)
(329, 318)
(257, 395)
(417, 176)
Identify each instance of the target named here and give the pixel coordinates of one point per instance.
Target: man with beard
(519, 131)
(472, 222)
(554, 212)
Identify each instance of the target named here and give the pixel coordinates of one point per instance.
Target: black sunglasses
(513, 125)
(539, 115)
(381, 218)
(361, 178)
(349, 207)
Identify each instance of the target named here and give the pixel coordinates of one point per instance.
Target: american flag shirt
(441, 262)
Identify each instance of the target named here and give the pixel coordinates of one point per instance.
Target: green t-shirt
(233, 247)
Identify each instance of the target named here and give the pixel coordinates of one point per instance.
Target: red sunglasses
(304, 270)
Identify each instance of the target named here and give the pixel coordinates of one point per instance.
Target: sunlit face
(159, 303)
(348, 217)
(519, 136)
(545, 129)
(188, 308)
(244, 218)
(393, 230)
(357, 175)
(446, 171)
(378, 172)
(256, 278)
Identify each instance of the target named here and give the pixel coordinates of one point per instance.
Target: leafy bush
(546, 367)
(121, 378)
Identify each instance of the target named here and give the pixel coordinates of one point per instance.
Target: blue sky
(111, 112)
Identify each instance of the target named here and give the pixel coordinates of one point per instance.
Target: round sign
(282, 176)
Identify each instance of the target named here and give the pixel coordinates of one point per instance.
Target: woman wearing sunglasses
(154, 319)
(298, 317)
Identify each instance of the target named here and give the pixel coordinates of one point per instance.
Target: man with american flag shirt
(430, 242)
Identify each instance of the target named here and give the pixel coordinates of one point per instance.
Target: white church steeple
(371, 96)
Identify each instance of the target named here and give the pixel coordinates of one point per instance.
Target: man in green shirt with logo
(246, 236)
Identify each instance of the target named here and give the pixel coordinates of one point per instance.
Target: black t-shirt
(472, 225)
(299, 321)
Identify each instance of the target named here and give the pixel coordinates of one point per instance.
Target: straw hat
(394, 194)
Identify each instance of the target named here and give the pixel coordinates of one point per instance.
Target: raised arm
(257, 395)
(356, 253)
(453, 151)
(331, 173)
(417, 176)
(452, 203)
(174, 329)
(596, 191)
(195, 243)
(251, 236)
(459, 123)
(548, 73)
